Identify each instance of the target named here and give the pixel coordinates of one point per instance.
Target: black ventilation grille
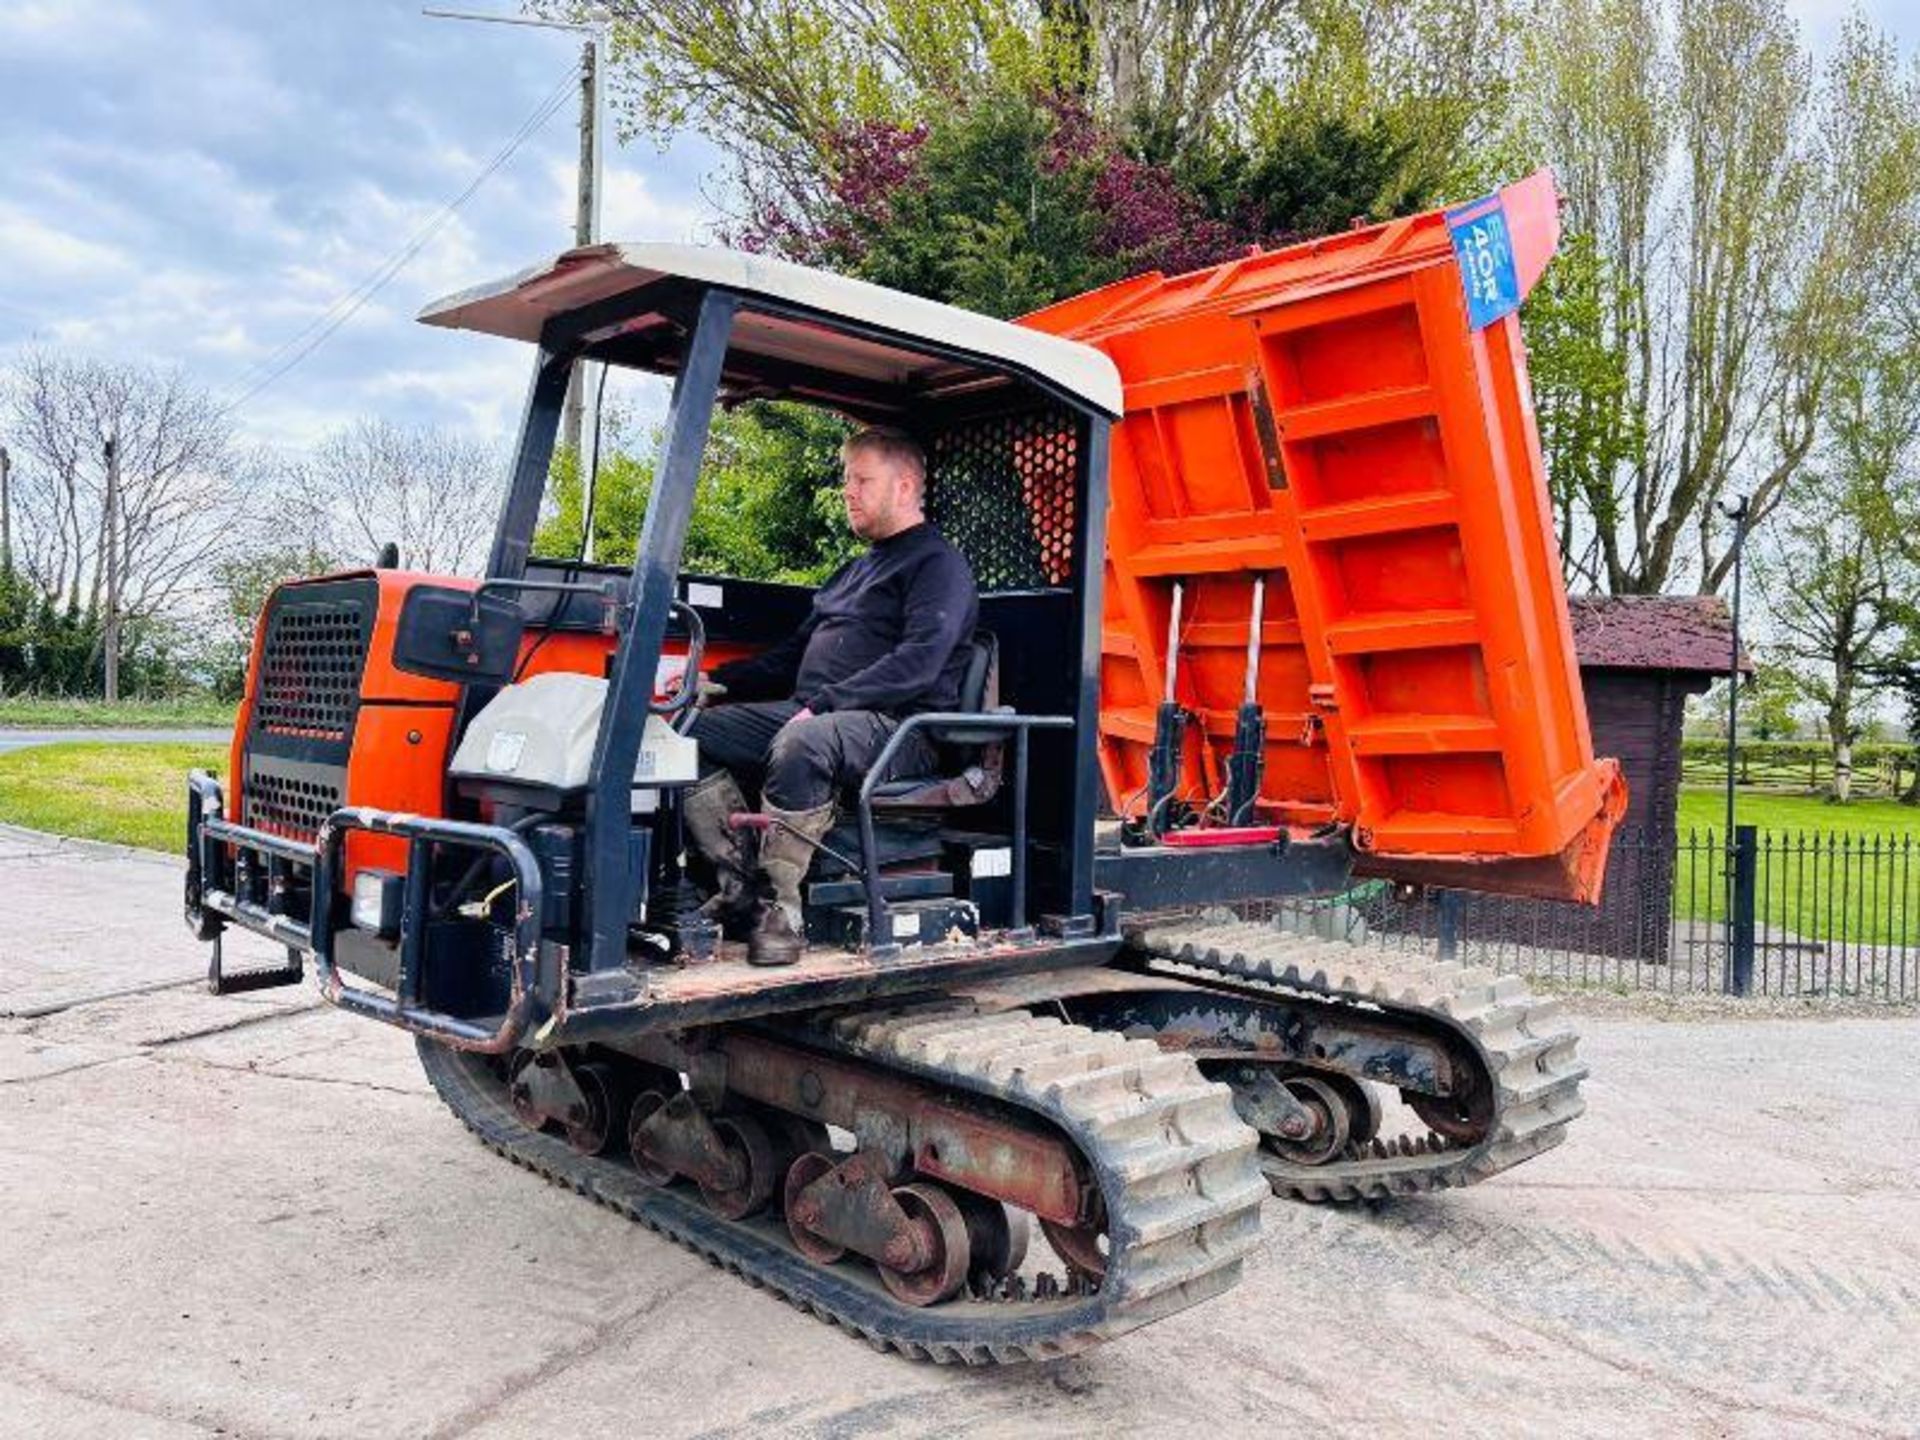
(279, 800)
(310, 666)
(1001, 488)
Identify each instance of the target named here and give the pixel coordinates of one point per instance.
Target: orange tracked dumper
(1268, 596)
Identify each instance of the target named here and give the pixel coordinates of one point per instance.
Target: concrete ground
(249, 1217)
(20, 739)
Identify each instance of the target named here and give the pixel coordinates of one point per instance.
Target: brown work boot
(705, 810)
(774, 941)
(786, 850)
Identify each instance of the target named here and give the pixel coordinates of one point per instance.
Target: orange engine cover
(1326, 416)
(329, 720)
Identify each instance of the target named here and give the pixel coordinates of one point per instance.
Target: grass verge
(40, 712)
(1704, 809)
(1823, 872)
(128, 794)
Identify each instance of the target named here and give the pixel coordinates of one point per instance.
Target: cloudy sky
(201, 182)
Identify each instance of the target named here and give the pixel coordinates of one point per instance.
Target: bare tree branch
(434, 494)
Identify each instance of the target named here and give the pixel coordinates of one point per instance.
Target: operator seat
(907, 809)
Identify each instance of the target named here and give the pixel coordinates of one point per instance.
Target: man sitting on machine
(887, 637)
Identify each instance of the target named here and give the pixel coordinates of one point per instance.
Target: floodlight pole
(1737, 512)
(581, 416)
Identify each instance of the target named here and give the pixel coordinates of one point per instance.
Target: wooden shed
(1641, 657)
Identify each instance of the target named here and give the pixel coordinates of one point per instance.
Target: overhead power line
(318, 330)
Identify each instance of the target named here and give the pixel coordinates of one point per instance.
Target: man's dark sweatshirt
(887, 632)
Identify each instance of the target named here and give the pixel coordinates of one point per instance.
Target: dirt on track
(251, 1217)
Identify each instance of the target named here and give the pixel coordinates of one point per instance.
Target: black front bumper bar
(238, 875)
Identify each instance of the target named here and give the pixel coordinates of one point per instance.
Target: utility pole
(581, 413)
(110, 634)
(580, 420)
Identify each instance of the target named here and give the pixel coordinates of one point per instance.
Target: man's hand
(806, 713)
(706, 692)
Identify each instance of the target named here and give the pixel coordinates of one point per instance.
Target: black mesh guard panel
(306, 699)
(310, 666)
(1001, 488)
(289, 800)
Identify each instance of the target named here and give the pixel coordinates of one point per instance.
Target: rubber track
(1176, 1167)
(1527, 1049)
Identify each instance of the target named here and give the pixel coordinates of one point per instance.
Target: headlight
(376, 903)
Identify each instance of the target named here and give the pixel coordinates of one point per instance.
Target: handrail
(204, 807)
(531, 994)
(879, 924)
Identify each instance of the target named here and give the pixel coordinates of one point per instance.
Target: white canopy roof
(520, 305)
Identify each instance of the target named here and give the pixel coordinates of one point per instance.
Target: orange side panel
(399, 763)
(1325, 417)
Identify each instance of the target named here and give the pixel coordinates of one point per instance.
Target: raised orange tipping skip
(1350, 419)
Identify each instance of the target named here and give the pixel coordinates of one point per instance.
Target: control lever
(1248, 761)
(1164, 765)
(759, 824)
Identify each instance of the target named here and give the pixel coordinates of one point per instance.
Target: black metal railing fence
(1775, 913)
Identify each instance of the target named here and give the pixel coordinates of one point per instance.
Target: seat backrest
(980, 686)
(979, 694)
(970, 757)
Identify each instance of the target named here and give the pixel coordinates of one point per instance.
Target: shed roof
(1653, 632)
(518, 306)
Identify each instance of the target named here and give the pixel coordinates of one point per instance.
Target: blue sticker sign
(1485, 251)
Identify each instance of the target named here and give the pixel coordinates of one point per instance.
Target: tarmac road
(250, 1217)
(20, 739)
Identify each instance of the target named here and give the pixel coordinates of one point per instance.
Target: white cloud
(40, 254)
(479, 382)
(206, 186)
(45, 30)
(634, 208)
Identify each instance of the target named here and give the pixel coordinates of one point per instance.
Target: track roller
(587, 1100)
(916, 1234)
(801, 1174)
(1331, 1127)
(997, 1235)
(730, 1157)
(947, 1247)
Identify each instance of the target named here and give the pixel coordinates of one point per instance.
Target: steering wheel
(681, 704)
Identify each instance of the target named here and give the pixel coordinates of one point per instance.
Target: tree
(1746, 223)
(766, 506)
(1437, 75)
(244, 582)
(1842, 579)
(1590, 425)
(773, 81)
(434, 494)
(995, 213)
(19, 603)
(1900, 674)
(1017, 199)
(787, 88)
(181, 503)
(1773, 694)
